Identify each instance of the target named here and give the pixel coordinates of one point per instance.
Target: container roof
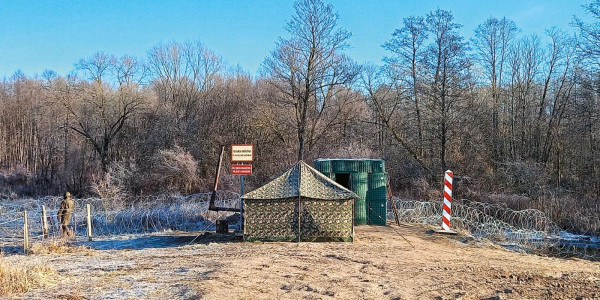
(301, 180)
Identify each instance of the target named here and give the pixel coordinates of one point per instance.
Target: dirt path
(379, 265)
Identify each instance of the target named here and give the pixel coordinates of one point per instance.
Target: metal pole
(25, 233)
(89, 222)
(242, 184)
(241, 221)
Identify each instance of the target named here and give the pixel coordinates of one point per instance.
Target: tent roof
(301, 180)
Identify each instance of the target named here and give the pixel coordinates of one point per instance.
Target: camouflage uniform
(64, 214)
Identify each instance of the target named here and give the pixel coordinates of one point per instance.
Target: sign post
(240, 154)
(242, 185)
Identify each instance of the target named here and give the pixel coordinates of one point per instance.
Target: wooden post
(44, 222)
(89, 222)
(213, 196)
(392, 202)
(25, 233)
(211, 205)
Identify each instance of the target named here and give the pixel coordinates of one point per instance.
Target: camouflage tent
(299, 205)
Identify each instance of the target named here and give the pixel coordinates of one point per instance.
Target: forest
(515, 117)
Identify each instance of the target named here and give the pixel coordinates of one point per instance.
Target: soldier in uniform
(64, 215)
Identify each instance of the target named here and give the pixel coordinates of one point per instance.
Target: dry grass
(58, 246)
(24, 277)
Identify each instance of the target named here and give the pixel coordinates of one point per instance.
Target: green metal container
(376, 199)
(338, 166)
(352, 166)
(377, 211)
(364, 166)
(360, 180)
(378, 166)
(367, 178)
(345, 166)
(360, 186)
(377, 186)
(324, 166)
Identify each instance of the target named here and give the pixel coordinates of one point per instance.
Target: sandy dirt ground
(380, 264)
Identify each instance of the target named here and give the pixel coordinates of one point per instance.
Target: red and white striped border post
(446, 212)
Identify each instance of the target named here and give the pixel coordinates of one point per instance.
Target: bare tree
(407, 43)
(386, 102)
(492, 42)
(525, 61)
(96, 66)
(589, 34)
(183, 74)
(129, 70)
(308, 69)
(96, 111)
(557, 58)
(448, 70)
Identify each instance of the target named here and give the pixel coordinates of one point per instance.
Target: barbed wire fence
(529, 230)
(110, 217)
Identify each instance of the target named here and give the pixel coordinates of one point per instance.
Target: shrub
(176, 170)
(21, 278)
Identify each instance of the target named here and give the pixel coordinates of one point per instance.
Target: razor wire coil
(111, 217)
(529, 230)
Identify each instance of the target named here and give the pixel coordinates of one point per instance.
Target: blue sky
(39, 35)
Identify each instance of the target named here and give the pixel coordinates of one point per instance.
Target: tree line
(515, 116)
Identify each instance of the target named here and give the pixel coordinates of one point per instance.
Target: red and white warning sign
(446, 212)
(241, 169)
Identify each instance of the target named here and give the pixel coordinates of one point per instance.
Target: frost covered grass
(23, 277)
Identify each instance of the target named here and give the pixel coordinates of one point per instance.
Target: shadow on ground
(159, 241)
(11, 249)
